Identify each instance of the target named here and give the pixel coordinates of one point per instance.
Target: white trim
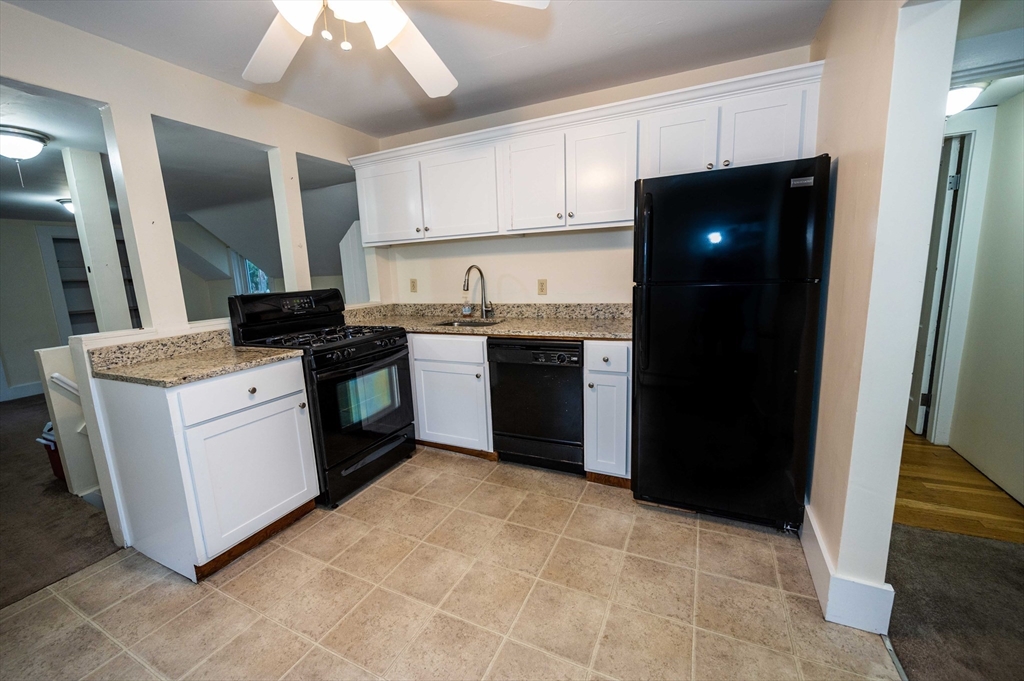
(844, 601)
(987, 57)
(979, 125)
(802, 74)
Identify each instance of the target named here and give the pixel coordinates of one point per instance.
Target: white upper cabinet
(390, 206)
(577, 170)
(762, 128)
(536, 181)
(460, 193)
(600, 168)
(679, 141)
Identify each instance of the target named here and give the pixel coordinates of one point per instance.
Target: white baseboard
(843, 600)
(16, 392)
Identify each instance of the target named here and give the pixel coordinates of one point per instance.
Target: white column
(145, 218)
(291, 229)
(96, 234)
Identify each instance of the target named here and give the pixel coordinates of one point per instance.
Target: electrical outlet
(412, 286)
(542, 287)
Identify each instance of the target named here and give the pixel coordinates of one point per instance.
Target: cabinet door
(536, 190)
(762, 128)
(390, 206)
(600, 169)
(451, 404)
(606, 424)
(680, 141)
(251, 468)
(460, 193)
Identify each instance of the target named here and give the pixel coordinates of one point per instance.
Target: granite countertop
(603, 321)
(174, 361)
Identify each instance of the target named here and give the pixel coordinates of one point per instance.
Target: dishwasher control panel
(548, 357)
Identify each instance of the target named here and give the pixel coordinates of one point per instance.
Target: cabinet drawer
(226, 394)
(606, 356)
(449, 348)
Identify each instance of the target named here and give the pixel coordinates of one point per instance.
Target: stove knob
(561, 358)
(393, 341)
(348, 352)
(333, 356)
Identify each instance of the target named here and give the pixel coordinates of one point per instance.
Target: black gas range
(357, 379)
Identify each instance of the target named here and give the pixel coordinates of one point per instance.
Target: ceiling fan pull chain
(325, 34)
(345, 44)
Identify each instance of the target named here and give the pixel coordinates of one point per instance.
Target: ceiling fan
(388, 24)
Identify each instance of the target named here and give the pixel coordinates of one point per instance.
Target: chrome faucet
(484, 307)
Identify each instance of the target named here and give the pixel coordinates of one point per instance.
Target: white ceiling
(502, 55)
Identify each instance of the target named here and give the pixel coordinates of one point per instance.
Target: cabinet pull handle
(604, 359)
(426, 229)
(571, 214)
(478, 375)
(558, 215)
(590, 385)
(252, 390)
(725, 162)
(418, 229)
(710, 166)
(302, 405)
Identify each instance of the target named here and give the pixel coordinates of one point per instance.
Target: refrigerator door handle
(642, 323)
(642, 236)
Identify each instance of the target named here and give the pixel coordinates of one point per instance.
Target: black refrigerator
(727, 300)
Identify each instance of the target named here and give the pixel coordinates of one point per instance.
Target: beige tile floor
(452, 567)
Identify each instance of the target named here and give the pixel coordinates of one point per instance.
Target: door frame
(978, 126)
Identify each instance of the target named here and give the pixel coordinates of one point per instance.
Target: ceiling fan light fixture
(21, 144)
(301, 14)
(960, 98)
(67, 204)
(384, 18)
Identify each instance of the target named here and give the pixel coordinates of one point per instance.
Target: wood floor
(940, 490)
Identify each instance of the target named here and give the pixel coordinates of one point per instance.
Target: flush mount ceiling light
(387, 22)
(960, 98)
(67, 204)
(20, 144)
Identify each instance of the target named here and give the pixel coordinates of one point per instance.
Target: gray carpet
(46, 533)
(959, 608)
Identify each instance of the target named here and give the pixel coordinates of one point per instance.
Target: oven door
(361, 404)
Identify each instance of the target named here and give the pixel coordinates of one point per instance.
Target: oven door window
(362, 406)
(364, 399)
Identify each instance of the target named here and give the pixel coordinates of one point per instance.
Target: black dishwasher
(537, 402)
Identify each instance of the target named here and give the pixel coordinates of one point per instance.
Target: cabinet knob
(710, 166)
(590, 385)
(558, 215)
(418, 229)
(604, 359)
(478, 375)
(725, 162)
(426, 229)
(571, 214)
(252, 390)
(302, 405)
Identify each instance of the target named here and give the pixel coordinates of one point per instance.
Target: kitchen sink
(471, 322)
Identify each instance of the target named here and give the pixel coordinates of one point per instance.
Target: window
(256, 278)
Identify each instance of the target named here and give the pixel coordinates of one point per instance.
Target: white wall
(581, 267)
(988, 418)
(27, 321)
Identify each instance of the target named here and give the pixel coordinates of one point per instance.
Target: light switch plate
(542, 287)
(412, 286)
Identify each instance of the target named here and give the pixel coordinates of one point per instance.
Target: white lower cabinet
(606, 407)
(203, 466)
(452, 399)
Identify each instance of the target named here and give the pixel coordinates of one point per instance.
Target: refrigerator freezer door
(723, 386)
(757, 223)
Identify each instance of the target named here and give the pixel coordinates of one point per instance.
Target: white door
(942, 218)
(600, 169)
(679, 141)
(251, 468)
(536, 169)
(762, 128)
(460, 193)
(606, 423)
(451, 404)
(390, 205)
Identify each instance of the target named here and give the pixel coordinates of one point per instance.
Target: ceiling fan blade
(420, 60)
(275, 53)
(532, 4)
